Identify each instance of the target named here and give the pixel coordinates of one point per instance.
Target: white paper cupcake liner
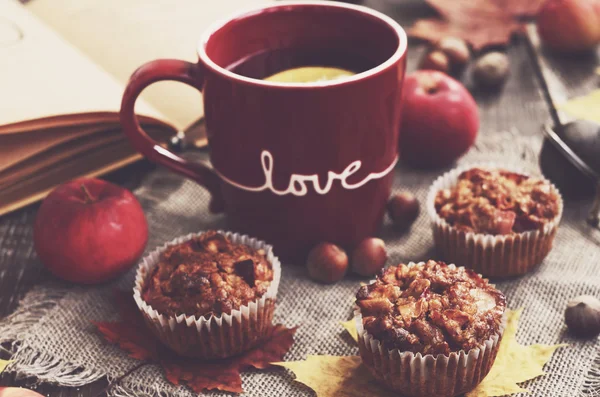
(490, 255)
(418, 375)
(211, 337)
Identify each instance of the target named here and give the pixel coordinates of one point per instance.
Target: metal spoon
(579, 143)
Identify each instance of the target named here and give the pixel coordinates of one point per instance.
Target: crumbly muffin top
(207, 275)
(431, 308)
(497, 202)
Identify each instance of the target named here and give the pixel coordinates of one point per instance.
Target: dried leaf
(336, 376)
(274, 348)
(131, 335)
(199, 376)
(333, 376)
(480, 22)
(584, 107)
(225, 374)
(4, 364)
(514, 364)
(350, 326)
(520, 8)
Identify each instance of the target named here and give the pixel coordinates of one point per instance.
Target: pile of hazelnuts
(329, 263)
(451, 55)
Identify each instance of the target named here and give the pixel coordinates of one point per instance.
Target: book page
(15, 147)
(43, 76)
(122, 35)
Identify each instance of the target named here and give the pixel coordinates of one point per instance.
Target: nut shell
(491, 70)
(435, 60)
(403, 209)
(327, 263)
(583, 316)
(457, 51)
(369, 257)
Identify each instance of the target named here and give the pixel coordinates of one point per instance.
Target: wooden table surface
(518, 106)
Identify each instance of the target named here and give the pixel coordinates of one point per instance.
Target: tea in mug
(302, 65)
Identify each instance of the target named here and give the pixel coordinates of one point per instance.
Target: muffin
(429, 329)
(499, 223)
(209, 295)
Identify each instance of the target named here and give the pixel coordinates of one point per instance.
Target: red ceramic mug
(294, 164)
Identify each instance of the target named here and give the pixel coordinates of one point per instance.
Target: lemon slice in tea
(309, 74)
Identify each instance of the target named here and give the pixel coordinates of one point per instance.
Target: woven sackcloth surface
(54, 341)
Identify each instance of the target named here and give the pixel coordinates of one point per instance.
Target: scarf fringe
(591, 382)
(27, 363)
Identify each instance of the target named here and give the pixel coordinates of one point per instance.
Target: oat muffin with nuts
(209, 295)
(430, 309)
(429, 316)
(497, 202)
(207, 275)
(498, 222)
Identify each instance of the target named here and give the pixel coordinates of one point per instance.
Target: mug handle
(151, 72)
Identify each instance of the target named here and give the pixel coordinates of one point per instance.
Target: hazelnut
(457, 51)
(491, 70)
(435, 60)
(583, 316)
(369, 257)
(403, 209)
(327, 263)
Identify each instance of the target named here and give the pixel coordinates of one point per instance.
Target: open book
(63, 67)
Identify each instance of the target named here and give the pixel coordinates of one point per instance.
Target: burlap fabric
(55, 342)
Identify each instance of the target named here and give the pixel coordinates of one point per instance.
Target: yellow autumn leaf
(344, 376)
(584, 107)
(336, 376)
(351, 328)
(514, 364)
(4, 364)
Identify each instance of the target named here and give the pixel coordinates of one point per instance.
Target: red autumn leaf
(480, 22)
(126, 338)
(200, 376)
(276, 345)
(131, 335)
(520, 8)
(225, 374)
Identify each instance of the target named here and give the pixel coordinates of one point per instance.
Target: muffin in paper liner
(211, 337)
(418, 375)
(490, 255)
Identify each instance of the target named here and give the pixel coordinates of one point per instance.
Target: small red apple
(18, 392)
(89, 231)
(439, 120)
(570, 25)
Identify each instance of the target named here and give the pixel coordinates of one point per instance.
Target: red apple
(90, 231)
(18, 392)
(570, 25)
(439, 120)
